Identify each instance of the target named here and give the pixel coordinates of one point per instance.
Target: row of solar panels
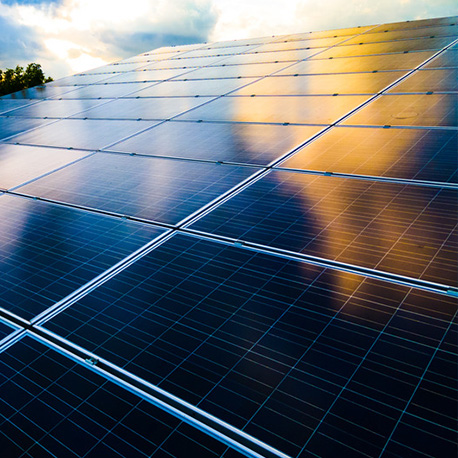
(266, 311)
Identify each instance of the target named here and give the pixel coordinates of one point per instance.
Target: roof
(237, 248)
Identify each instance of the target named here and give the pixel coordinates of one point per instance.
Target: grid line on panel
(348, 381)
(214, 427)
(218, 97)
(417, 386)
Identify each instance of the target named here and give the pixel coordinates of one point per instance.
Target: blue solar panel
(278, 348)
(5, 330)
(162, 190)
(227, 142)
(51, 406)
(399, 228)
(49, 251)
(12, 126)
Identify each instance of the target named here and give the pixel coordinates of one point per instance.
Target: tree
(17, 79)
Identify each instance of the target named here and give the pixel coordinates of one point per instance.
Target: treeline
(13, 80)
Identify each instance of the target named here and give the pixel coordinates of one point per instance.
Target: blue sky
(69, 36)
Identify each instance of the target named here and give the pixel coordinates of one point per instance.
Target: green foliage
(17, 79)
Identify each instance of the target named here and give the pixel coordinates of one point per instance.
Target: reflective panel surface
(358, 64)
(249, 143)
(404, 229)
(192, 88)
(387, 35)
(421, 154)
(300, 110)
(8, 105)
(353, 83)
(105, 91)
(52, 406)
(409, 110)
(430, 81)
(419, 44)
(143, 108)
(434, 22)
(5, 330)
(163, 190)
(77, 80)
(19, 164)
(48, 251)
(276, 56)
(11, 126)
(41, 92)
(183, 62)
(146, 75)
(274, 347)
(89, 134)
(234, 71)
(56, 108)
(446, 59)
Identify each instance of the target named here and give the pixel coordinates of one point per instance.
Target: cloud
(75, 35)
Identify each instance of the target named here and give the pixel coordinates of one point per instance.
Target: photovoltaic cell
(8, 105)
(162, 190)
(83, 133)
(143, 108)
(269, 57)
(77, 80)
(11, 125)
(403, 229)
(55, 108)
(446, 59)
(434, 22)
(5, 330)
(186, 62)
(274, 347)
(409, 110)
(352, 83)
(285, 45)
(276, 109)
(420, 44)
(430, 81)
(421, 154)
(41, 92)
(105, 91)
(48, 251)
(233, 71)
(247, 143)
(423, 32)
(19, 164)
(146, 75)
(52, 406)
(192, 88)
(358, 64)
(329, 33)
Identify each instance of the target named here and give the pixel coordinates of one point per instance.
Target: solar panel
(428, 110)
(154, 189)
(264, 343)
(241, 248)
(53, 406)
(49, 251)
(419, 154)
(226, 142)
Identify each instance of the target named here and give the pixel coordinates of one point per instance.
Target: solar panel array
(244, 248)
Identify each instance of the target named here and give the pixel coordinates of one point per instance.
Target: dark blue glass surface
(164, 190)
(8, 105)
(278, 348)
(5, 330)
(48, 251)
(421, 154)
(248, 143)
(404, 229)
(53, 407)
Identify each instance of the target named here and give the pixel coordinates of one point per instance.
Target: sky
(71, 36)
